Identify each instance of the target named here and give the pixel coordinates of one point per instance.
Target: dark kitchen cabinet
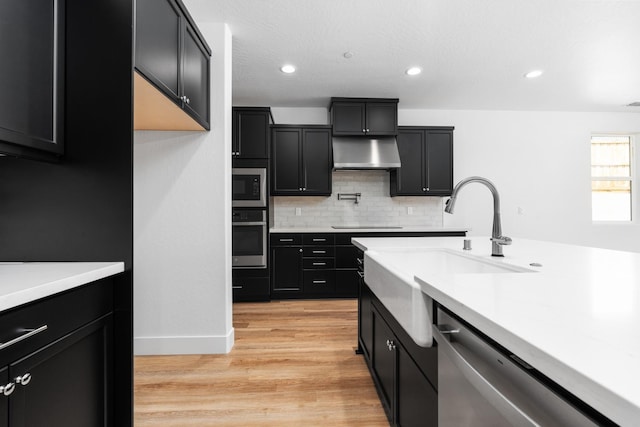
(426, 157)
(251, 133)
(286, 266)
(63, 373)
(301, 160)
(250, 284)
(172, 55)
(32, 78)
(364, 116)
(384, 362)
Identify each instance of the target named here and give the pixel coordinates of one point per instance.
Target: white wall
(540, 163)
(182, 227)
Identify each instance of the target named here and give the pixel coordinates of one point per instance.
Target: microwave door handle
(506, 407)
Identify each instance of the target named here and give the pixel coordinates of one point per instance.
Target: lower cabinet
(250, 284)
(57, 363)
(405, 374)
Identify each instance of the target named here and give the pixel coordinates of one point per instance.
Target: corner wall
(182, 226)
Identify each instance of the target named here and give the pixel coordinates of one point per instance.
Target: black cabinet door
(32, 41)
(381, 118)
(195, 77)
(158, 30)
(409, 179)
(384, 362)
(316, 163)
(439, 162)
(250, 134)
(417, 400)
(286, 158)
(70, 381)
(365, 320)
(348, 118)
(286, 269)
(4, 400)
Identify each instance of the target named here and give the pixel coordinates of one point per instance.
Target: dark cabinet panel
(251, 133)
(384, 362)
(195, 76)
(4, 402)
(365, 321)
(32, 76)
(250, 288)
(364, 116)
(417, 400)
(286, 270)
(426, 157)
(301, 160)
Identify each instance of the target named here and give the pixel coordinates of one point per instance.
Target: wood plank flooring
(293, 364)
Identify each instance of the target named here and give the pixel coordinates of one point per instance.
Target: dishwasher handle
(499, 401)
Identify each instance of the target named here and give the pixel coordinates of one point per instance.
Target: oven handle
(506, 407)
(240, 224)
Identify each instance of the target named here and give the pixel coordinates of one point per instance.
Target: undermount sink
(390, 275)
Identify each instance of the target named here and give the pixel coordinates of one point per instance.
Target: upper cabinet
(364, 116)
(301, 160)
(251, 132)
(172, 57)
(32, 48)
(426, 158)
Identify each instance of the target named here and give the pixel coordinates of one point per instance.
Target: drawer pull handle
(23, 379)
(237, 287)
(286, 240)
(319, 282)
(319, 240)
(319, 252)
(29, 334)
(361, 274)
(359, 261)
(319, 263)
(7, 389)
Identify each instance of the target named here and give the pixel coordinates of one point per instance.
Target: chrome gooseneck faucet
(497, 239)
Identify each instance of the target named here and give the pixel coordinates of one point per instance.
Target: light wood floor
(293, 364)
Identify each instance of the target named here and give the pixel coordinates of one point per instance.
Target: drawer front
(346, 256)
(318, 251)
(251, 289)
(286, 239)
(319, 281)
(318, 263)
(61, 314)
(317, 239)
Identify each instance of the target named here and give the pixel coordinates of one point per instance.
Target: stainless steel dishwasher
(480, 386)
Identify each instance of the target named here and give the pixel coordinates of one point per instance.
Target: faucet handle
(502, 240)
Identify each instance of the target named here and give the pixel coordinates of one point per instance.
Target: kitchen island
(571, 312)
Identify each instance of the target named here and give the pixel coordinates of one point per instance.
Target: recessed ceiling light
(288, 69)
(533, 74)
(413, 71)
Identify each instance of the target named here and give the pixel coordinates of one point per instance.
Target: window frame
(631, 179)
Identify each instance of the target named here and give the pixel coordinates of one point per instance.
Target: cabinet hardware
(319, 282)
(237, 287)
(391, 345)
(424, 189)
(361, 274)
(319, 263)
(300, 250)
(7, 389)
(23, 379)
(360, 261)
(285, 240)
(319, 240)
(319, 252)
(29, 333)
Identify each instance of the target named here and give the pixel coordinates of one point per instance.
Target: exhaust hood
(365, 153)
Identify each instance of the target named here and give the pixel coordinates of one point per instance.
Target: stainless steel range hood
(365, 153)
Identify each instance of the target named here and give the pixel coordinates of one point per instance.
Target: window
(611, 178)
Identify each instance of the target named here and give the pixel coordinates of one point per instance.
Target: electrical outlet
(520, 210)
(298, 211)
(410, 210)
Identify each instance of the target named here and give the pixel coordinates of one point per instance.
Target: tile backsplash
(375, 207)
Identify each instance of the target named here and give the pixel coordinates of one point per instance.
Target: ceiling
(474, 54)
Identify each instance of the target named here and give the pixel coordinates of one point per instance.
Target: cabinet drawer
(318, 251)
(318, 263)
(317, 239)
(61, 314)
(286, 239)
(319, 281)
(250, 288)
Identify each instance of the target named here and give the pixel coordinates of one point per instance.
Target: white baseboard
(208, 344)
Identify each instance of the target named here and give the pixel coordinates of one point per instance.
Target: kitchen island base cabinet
(405, 374)
(62, 375)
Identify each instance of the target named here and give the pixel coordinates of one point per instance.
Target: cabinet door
(409, 179)
(251, 135)
(384, 362)
(32, 77)
(70, 381)
(381, 118)
(286, 269)
(348, 118)
(417, 400)
(4, 400)
(285, 158)
(316, 155)
(158, 29)
(439, 162)
(195, 78)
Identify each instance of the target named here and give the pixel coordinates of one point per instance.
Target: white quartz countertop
(576, 319)
(21, 283)
(364, 229)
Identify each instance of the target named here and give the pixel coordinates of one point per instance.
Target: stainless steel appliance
(480, 386)
(249, 187)
(249, 238)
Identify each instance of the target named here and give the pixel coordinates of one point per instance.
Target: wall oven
(249, 187)
(249, 238)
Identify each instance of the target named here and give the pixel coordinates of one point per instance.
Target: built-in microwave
(249, 187)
